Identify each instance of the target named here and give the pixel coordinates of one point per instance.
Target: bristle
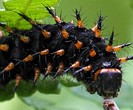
(78, 44)
(117, 48)
(8, 29)
(27, 19)
(8, 68)
(109, 47)
(25, 39)
(17, 82)
(46, 34)
(59, 52)
(44, 52)
(37, 74)
(65, 34)
(48, 69)
(56, 18)
(124, 59)
(79, 21)
(54, 49)
(28, 58)
(98, 27)
(111, 38)
(86, 69)
(60, 69)
(92, 53)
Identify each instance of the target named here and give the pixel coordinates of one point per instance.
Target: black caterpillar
(62, 48)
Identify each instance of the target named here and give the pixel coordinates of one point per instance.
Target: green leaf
(37, 103)
(125, 98)
(65, 101)
(90, 97)
(33, 8)
(26, 5)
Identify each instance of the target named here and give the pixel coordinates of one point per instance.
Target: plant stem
(109, 104)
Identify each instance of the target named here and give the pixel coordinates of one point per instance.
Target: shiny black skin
(18, 50)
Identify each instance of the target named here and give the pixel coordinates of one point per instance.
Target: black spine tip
(56, 74)
(44, 77)
(99, 22)
(67, 69)
(130, 58)
(77, 14)
(111, 38)
(50, 11)
(127, 44)
(76, 72)
(2, 72)
(14, 89)
(2, 25)
(34, 82)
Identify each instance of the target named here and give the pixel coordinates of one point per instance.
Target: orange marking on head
(106, 70)
(109, 48)
(46, 34)
(24, 39)
(4, 47)
(79, 45)
(92, 53)
(60, 52)
(18, 80)
(87, 68)
(76, 64)
(96, 31)
(64, 34)
(49, 68)
(28, 58)
(9, 67)
(80, 24)
(44, 52)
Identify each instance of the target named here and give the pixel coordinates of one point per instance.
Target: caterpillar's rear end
(60, 49)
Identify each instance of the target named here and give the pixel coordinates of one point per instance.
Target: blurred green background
(120, 17)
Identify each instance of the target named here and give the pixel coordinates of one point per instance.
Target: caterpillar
(62, 48)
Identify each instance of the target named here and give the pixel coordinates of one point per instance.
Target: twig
(109, 104)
